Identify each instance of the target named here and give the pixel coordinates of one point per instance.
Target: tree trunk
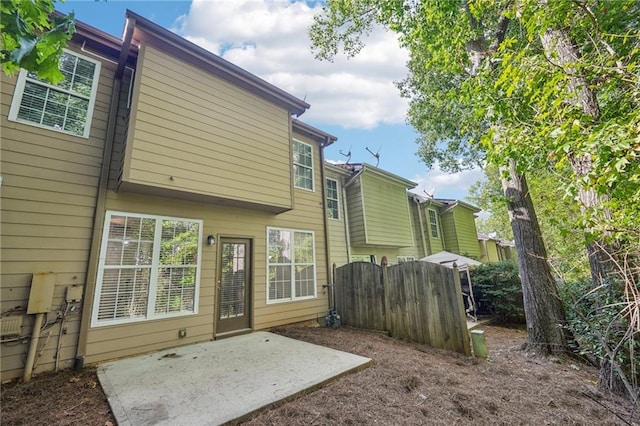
(542, 305)
(560, 49)
(563, 53)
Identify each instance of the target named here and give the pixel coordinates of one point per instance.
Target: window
(433, 223)
(332, 199)
(67, 106)
(149, 268)
(402, 259)
(303, 165)
(291, 265)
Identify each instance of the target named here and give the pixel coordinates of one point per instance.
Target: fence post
(462, 316)
(385, 286)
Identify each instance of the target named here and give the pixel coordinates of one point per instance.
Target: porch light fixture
(211, 240)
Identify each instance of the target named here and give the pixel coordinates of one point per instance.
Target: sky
(353, 99)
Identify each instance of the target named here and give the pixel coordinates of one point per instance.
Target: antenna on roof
(432, 192)
(376, 155)
(348, 155)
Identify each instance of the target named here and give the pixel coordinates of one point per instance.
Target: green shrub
(599, 317)
(497, 291)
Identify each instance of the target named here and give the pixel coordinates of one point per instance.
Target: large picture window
(333, 206)
(291, 265)
(149, 268)
(67, 106)
(302, 165)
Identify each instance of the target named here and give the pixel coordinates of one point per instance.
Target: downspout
(101, 199)
(346, 221)
(422, 234)
(326, 225)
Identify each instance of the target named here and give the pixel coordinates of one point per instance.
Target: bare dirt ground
(407, 384)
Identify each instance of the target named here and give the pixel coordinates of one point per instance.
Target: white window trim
(19, 92)
(337, 199)
(435, 213)
(313, 178)
(293, 284)
(151, 297)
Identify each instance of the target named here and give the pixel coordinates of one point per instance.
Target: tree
(33, 37)
(516, 83)
(452, 87)
(558, 218)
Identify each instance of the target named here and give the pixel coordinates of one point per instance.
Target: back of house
(169, 197)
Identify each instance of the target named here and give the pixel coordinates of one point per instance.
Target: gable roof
(451, 203)
(150, 32)
(324, 138)
(357, 169)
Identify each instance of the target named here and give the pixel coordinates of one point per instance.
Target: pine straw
(407, 384)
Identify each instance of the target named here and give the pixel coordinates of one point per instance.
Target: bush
(602, 316)
(497, 291)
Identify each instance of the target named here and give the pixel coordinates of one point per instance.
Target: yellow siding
(48, 197)
(387, 212)
(196, 133)
(336, 227)
(466, 232)
(449, 235)
(435, 244)
(417, 248)
(391, 253)
(488, 251)
(122, 340)
(356, 213)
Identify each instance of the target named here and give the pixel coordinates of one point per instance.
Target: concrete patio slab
(216, 382)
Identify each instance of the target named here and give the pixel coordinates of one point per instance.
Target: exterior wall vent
(11, 325)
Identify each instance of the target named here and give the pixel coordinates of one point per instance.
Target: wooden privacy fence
(417, 301)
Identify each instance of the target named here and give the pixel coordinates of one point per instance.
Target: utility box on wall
(41, 294)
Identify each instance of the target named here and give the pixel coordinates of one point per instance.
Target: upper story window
(433, 223)
(65, 107)
(303, 165)
(291, 265)
(333, 206)
(149, 268)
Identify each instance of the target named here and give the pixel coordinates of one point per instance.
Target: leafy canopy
(33, 37)
(483, 89)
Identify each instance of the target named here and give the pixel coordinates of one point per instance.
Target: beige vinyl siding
(109, 342)
(387, 212)
(466, 232)
(197, 133)
(336, 227)
(121, 130)
(48, 198)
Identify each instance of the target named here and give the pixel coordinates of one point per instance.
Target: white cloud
(269, 38)
(441, 184)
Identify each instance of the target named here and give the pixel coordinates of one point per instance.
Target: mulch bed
(407, 384)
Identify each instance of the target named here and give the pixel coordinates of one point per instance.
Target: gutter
(101, 198)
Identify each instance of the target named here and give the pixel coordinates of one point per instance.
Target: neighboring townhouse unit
(170, 195)
(493, 249)
(382, 218)
(459, 230)
(373, 212)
